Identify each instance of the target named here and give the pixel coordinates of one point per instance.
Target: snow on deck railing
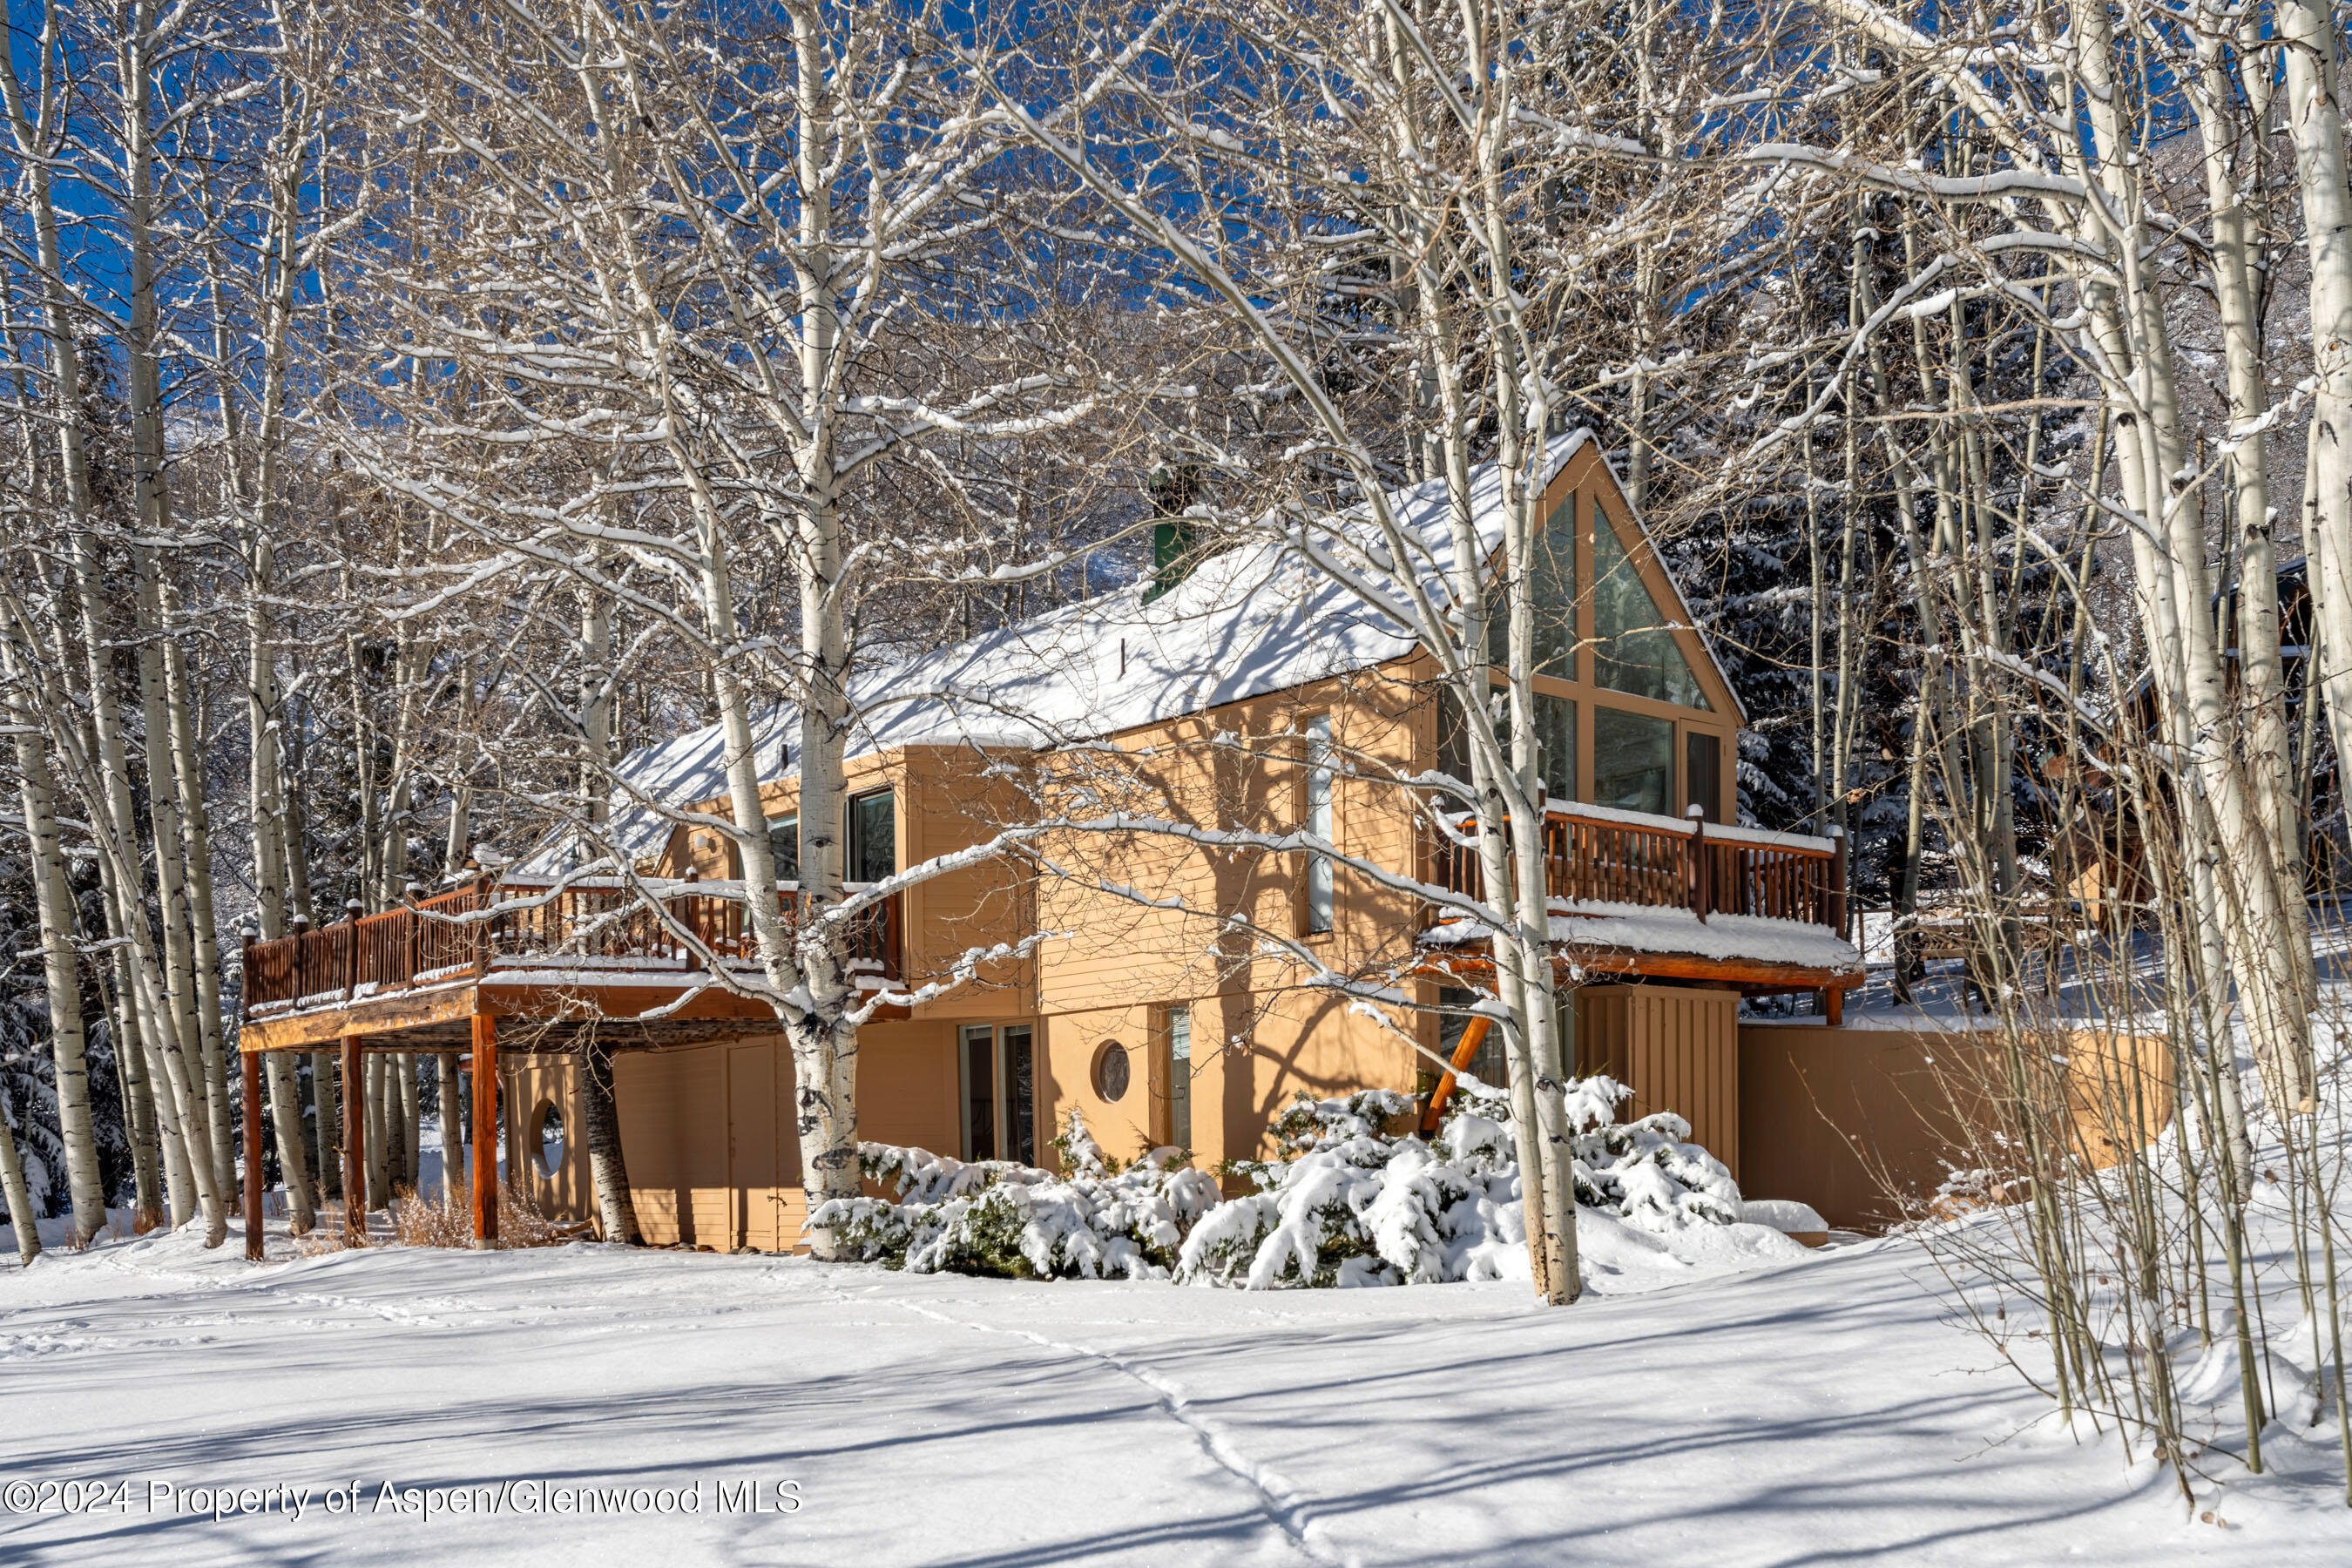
(1598, 854)
(599, 922)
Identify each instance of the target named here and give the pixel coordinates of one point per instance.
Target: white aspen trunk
(2190, 682)
(137, 1101)
(1532, 997)
(327, 1123)
(410, 664)
(823, 1040)
(368, 1104)
(168, 806)
(1496, 782)
(617, 1212)
(453, 1128)
(104, 789)
(195, 831)
(60, 972)
(370, 842)
(2262, 673)
(180, 1121)
(608, 1170)
(21, 1213)
(458, 842)
(266, 809)
(1524, 422)
(2314, 123)
(107, 796)
(412, 1122)
(178, 950)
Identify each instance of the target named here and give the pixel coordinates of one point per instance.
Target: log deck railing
(1592, 856)
(594, 924)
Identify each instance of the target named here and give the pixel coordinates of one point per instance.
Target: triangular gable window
(1554, 598)
(1635, 650)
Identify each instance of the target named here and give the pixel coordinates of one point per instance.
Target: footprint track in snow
(1278, 1498)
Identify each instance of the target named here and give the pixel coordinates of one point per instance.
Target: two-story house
(1189, 982)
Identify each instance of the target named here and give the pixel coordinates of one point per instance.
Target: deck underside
(624, 1011)
(1473, 962)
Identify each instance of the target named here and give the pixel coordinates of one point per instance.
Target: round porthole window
(547, 1137)
(1110, 1070)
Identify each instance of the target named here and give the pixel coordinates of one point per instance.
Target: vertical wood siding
(1677, 1048)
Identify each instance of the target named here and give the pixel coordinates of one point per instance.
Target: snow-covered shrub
(997, 1217)
(1355, 1205)
(1348, 1202)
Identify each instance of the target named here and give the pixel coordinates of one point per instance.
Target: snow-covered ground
(1815, 1410)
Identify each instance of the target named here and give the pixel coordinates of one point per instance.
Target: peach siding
(708, 1131)
(709, 1157)
(1858, 1121)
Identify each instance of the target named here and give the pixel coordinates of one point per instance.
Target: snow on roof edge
(966, 696)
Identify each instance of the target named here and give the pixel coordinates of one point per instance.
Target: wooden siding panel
(753, 1169)
(673, 1112)
(1676, 1048)
(570, 1191)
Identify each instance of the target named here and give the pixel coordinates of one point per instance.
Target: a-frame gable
(1587, 471)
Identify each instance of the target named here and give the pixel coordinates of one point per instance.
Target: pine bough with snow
(1349, 1203)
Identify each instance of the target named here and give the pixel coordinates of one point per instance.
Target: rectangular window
(1632, 761)
(1318, 822)
(979, 1093)
(1556, 745)
(1703, 774)
(1180, 1076)
(784, 846)
(1020, 1081)
(1555, 741)
(873, 836)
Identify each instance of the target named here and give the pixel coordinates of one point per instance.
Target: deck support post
(486, 1130)
(482, 928)
(1834, 997)
(1474, 1035)
(249, 1071)
(1698, 867)
(355, 1192)
(1838, 876)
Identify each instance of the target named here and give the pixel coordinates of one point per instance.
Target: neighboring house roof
(1246, 622)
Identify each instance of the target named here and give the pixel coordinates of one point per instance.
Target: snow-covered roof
(1252, 620)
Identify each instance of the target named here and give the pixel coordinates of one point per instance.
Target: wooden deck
(1609, 870)
(514, 964)
(560, 955)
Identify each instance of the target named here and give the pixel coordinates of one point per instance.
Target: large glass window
(1318, 822)
(1703, 774)
(1632, 761)
(1180, 1076)
(873, 836)
(784, 846)
(1635, 651)
(1555, 741)
(1552, 595)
